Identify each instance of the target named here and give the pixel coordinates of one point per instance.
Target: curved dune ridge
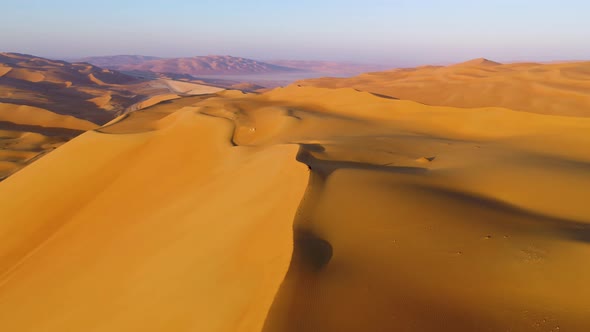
(188, 88)
(151, 101)
(102, 101)
(303, 209)
(554, 89)
(95, 80)
(178, 88)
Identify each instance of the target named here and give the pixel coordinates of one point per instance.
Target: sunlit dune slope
(303, 209)
(557, 89)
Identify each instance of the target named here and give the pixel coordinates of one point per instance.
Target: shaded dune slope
(303, 209)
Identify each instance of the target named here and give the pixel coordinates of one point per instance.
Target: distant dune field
(555, 89)
(315, 209)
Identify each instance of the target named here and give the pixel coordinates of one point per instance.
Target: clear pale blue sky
(404, 32)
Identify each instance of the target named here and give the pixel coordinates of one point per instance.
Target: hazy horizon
(396, 33)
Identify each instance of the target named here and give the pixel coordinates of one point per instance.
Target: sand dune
(25, 75)
(95, 80)
(178, 88)
(479, 62)
(555, 89)
(188, 88)
(102, 101)
(151, 101)
(303, 209)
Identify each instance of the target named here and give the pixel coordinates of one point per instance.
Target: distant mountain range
(225, 65)
(117, 61)
(198, 65)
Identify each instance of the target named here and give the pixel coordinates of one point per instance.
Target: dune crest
(95, 80)
(102, 101)
(479, 62)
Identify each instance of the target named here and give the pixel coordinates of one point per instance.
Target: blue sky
(403, 32)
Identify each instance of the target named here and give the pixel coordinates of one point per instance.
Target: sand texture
(305, 209)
